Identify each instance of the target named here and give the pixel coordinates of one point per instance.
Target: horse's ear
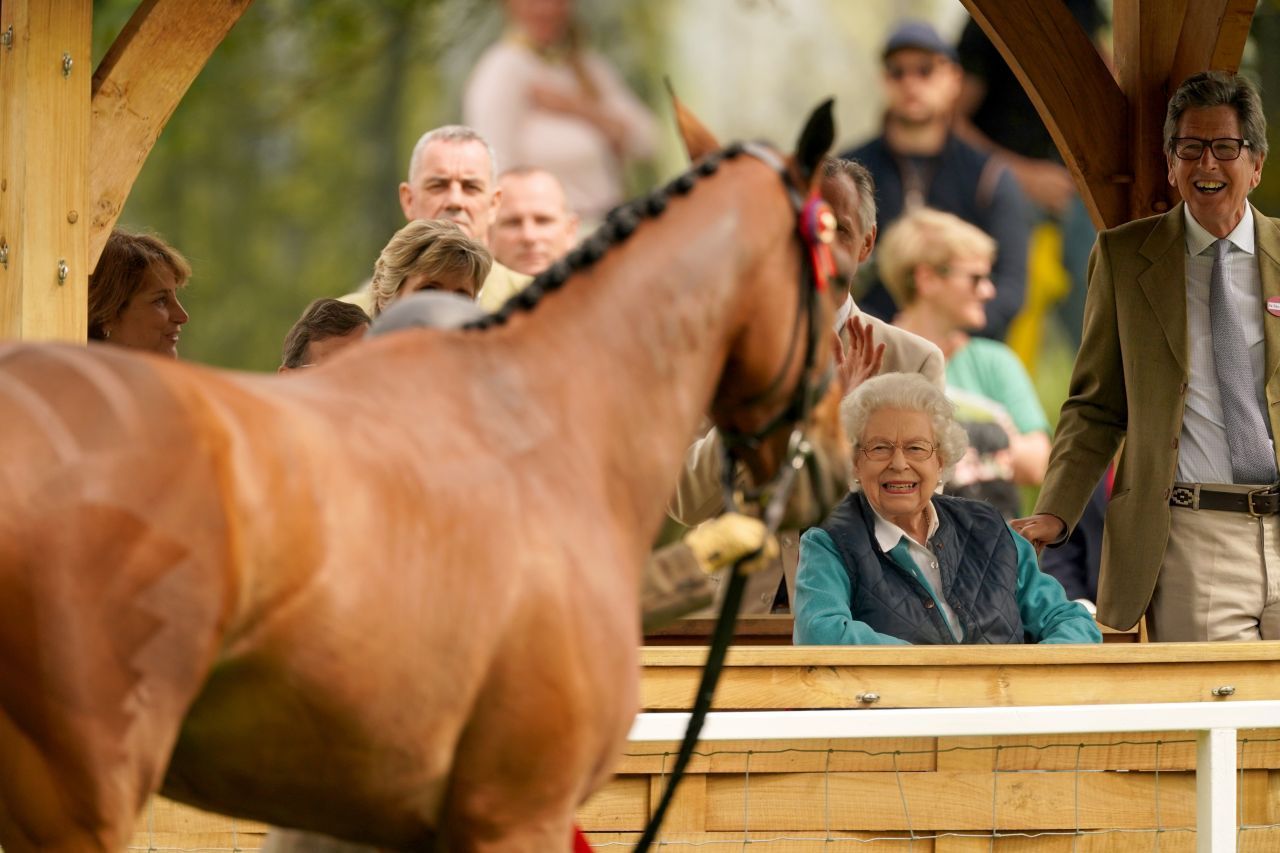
(815, 140)
(698, 141)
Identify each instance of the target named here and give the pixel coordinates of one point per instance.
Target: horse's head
(779, 361)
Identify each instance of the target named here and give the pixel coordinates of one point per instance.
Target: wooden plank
(137, 87)
(952, 801)
(786, 756)
(688, 809)
(1092, 752)
(1084, 110)
(44, 150)
(165, 824)
(775, 630)
(864, 842)
(621, 804)
(947, 686)
(1213, 36)
(1146, 34)
(909, 656)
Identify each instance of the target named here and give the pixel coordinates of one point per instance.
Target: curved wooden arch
(1109, 127)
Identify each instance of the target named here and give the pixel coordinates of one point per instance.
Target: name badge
(1273, 307)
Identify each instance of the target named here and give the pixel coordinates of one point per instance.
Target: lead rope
(798, 450)
(725, 621)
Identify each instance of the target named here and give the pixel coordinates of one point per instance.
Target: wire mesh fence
(1083, 794)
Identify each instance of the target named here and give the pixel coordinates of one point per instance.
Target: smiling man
(1178, 362)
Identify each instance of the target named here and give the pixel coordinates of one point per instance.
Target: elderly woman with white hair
(897, 563)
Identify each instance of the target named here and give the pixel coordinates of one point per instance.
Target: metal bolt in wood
(1224, 690)
(63, 271)
(6, 38)
(67, 62)
(4, 254)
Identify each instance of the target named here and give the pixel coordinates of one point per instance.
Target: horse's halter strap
(815, 225)
(816, 228)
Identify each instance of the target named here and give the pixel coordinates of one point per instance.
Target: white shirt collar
(848, 309)
(889, 534)
(1198, 239)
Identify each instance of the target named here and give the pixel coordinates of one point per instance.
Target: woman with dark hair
(133, 294)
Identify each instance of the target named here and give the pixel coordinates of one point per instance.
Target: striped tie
(1252, 460)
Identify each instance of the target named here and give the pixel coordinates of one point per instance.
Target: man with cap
(918, 160)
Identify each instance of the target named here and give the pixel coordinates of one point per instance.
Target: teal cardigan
(822, 607)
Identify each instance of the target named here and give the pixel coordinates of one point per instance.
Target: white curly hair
(913, 393)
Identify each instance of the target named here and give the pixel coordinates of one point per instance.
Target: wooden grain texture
(136, 88)
(1213, 36)
(1145, 40)
(818, 677)
(951, 800)
(44, 149)
(165, 824)
(765, 842)
(786, 756)
(1075, 94)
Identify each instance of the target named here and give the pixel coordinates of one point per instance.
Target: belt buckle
(1268, 491)
(1186, 496)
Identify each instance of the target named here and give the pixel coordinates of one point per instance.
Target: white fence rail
(1215, 725)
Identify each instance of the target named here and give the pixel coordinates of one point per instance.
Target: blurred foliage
(277, 174)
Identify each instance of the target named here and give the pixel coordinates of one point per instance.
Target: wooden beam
(136, 89)
(44, 151)
(1145, 43)
(1212, 37)
(1075, 94)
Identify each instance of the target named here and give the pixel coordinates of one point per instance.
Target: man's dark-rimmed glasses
(1223, 148)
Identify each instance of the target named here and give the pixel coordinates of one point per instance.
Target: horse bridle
(815, 226)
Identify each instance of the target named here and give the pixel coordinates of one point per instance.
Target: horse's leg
(107, 630)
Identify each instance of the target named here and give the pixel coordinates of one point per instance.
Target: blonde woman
(427, 254)
(938, 269)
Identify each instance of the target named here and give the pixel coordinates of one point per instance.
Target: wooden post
(44, 151)
(1146, 41)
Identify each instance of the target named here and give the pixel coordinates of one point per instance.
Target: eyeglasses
(974, 278)
(924, 70)
(1223, 148)
(880, 450)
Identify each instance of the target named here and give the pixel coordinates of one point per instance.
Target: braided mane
(620, 224)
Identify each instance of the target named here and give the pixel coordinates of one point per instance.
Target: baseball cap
(919, 35)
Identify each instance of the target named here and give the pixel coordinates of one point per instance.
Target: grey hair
(452, 133)
(863, 183)
(1219, 89)
(914, 393)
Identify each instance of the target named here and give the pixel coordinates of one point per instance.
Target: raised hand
(861, 360)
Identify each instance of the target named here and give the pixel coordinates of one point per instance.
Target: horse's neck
(635, 347)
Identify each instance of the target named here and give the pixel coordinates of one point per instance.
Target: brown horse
(393, 600)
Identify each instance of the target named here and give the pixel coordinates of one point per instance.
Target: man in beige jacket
(1179, 363)
(849, 190)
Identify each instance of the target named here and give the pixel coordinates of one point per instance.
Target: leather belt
(1264, 500)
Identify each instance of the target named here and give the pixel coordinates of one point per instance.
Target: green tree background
(277, 174)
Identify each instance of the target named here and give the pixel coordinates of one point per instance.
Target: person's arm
(699, 493)
(1047, 614)
(823, 615)
(1008, 220)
